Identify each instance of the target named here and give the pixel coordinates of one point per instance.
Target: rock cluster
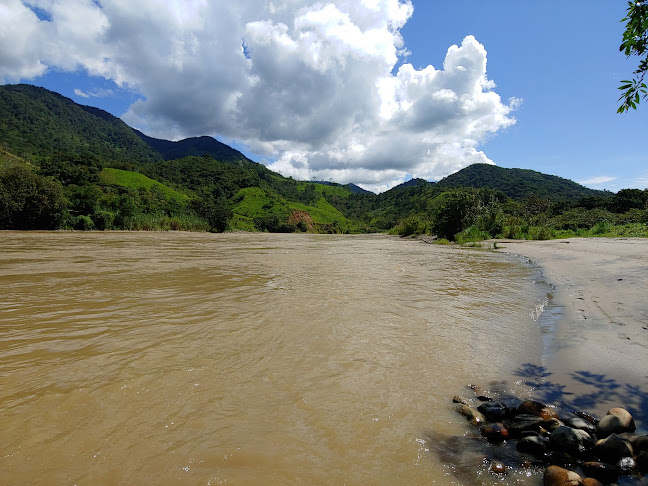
(574, 448)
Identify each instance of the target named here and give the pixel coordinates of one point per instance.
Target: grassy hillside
(137, 181)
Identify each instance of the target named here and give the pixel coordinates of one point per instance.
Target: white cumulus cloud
(316, 88)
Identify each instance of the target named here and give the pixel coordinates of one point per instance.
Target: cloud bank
(317, 88)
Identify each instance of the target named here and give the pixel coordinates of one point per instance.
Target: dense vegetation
(65, 166)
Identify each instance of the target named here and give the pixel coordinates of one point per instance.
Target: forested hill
(38, 123)
(194, 146)
(517, 183)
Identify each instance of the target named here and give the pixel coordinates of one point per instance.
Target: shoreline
(596, 354)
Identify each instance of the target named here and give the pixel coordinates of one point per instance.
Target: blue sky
(325, 91)
(562, 59)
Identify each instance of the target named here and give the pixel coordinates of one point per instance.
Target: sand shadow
(601, 389)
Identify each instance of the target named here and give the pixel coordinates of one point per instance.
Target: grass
(253, 202)
(156, 222)
(137, 181)
(7, 159)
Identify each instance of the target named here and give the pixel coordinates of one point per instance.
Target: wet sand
(596, 350)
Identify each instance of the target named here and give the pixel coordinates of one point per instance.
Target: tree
(635, 43)
(29, 201)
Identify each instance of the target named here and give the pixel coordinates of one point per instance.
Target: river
(204, 359)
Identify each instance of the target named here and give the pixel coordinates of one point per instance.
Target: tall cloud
(311, 86)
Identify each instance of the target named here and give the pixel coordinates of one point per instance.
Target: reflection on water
(173, 358)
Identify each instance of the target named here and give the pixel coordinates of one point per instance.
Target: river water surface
(196, 359)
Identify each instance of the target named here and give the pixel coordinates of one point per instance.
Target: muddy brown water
(199, 359)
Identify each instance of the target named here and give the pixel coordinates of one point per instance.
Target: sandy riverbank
(597, 351)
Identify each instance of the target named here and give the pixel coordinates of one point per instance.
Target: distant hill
(351, 187)
(195, 146)
(36, 122)
(413, 183)
(517, 183)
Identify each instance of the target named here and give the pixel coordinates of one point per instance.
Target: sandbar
(596, 353)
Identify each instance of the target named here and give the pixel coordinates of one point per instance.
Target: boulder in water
(606, 473)
(613, 448)
(474, 416)
(494, 411)
(617, 421)
(497, 432)
(558, 476)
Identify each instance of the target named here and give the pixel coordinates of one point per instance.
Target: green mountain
(517, 183)
(196, 146)
(36, 123)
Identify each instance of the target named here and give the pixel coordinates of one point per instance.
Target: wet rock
(617, 421)
(642, 462)
(587, 417)
(497, 432)
(533, 445)
(530, 407)
(552, 424)
(494, 411)
(613, 448)
(538, 409)
(481, 394)
(525, 423)
(606, 473)
(558, 476)
(462, 400)
(639, 442)
(498, 468)
(626, 465)
(474, 416)
(581, 424)
(549, 414)
(591, 482)
(571, 441)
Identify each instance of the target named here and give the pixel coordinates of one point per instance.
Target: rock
(626, 465)
(642, 462)
(587, 417)
(462, 400)
(552, 424)
(571, 441)
(525, 423)
(639, 442)
(474, 417)
(531, 407)
(617, 421)
(533, 445)
(494, 411)
(549, 414)
(558, 476)
(538, 409)
(613, 448)
(498, 468)
(497, 432)
(625, 417)
(591, 482)
(481, 394)
(606, 473)
(582, 424)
